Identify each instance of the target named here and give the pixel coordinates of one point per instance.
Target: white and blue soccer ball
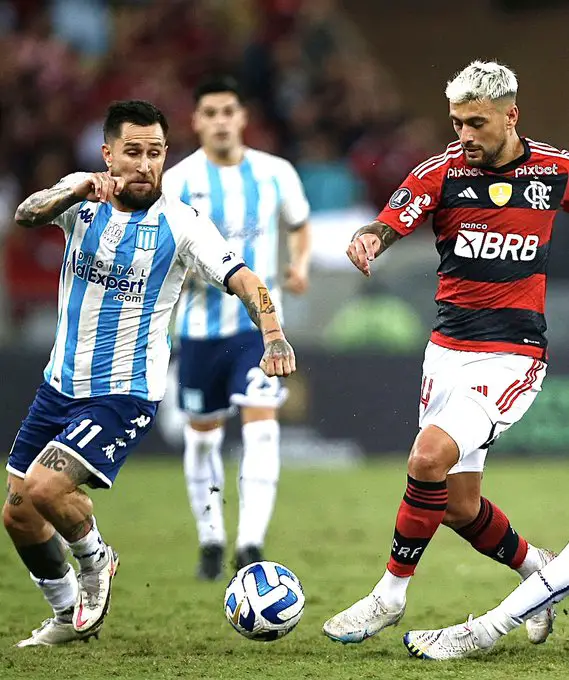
(264, 601)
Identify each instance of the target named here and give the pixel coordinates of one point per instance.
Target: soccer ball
(264, 601)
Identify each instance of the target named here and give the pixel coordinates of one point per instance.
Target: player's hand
(99, 187)
(278, 358)
(362, 251)
(296, 280)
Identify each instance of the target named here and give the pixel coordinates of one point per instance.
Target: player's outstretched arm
(369, 242)
(44, 206)
(278, 358)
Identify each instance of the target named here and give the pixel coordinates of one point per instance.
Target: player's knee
(206, 426)
(16, 519)
(9, 517)
(426, 461)
(432, 455)
(41, 493)
(425, 466)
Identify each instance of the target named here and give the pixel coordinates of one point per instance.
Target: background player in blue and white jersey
(246, 193)
(128, 250)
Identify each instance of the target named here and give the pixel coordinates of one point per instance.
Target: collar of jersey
(512, 165)
(152, 216)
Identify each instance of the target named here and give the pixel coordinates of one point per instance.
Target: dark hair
(134, 111)
(215, 84)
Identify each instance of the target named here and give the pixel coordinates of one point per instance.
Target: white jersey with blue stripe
(121, 277)
(245, 202)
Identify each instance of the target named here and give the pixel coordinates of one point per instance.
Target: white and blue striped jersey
(120, 280)
(245, 202)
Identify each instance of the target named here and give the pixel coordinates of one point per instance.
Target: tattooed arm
(369, 242)
(386, 235)
(278, 358)
(44, 206)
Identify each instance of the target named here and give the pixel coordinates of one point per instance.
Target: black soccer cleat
(210, 567)
(247, 555)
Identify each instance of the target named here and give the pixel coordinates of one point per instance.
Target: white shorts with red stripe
(476, 396)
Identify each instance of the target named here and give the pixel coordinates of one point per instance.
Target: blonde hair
(482, 80)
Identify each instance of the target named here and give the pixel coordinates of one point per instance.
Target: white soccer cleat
(454, 642)
(363, 619)
(55, 632)
(94, 598)
(539, 626)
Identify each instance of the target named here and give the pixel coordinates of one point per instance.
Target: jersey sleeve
(411, 204)
(295, 209)
(67, 219)
(565, 199)
(208, 253)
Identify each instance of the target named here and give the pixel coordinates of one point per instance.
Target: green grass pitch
(333, 528)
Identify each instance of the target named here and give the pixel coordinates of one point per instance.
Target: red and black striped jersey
(493, 232)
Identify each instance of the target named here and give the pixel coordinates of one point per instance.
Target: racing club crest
(147, 236)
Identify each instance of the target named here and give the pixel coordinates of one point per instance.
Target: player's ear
(195, 121)
(107, 155)
(512, 116)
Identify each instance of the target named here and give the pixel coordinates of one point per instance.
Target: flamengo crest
(537, 195)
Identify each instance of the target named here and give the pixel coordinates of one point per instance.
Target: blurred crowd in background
(353, 94)
(317, 94)
(64, 60)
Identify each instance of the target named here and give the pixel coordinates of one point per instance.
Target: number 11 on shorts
(89, 436)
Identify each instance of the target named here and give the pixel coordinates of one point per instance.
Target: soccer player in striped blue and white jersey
(246, 193)
(128, 250)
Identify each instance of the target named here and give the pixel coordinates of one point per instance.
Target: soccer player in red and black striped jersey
(492, 196)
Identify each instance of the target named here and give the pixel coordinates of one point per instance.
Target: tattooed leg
(40, 548)
(13, 497)
(52, 484)
(22, 521)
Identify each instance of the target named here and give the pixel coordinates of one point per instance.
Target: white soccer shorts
(475, 397)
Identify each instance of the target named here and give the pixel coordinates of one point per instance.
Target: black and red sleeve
(411, 204)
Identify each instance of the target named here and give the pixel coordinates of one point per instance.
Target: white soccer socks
(61, 593)
(203, 469)
(258, 477)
